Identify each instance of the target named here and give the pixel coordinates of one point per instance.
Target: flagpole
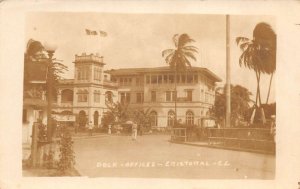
(95, 33)
(228, 103)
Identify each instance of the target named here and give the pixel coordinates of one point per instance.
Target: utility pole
(228, 103)
(49, 95)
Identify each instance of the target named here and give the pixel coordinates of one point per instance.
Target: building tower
(88, 82)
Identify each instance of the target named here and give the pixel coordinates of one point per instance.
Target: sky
(137, 40)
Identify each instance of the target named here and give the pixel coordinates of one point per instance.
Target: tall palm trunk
(269, 88)
(258, 102)
(256, 99)
(262, 112)
(258, 89)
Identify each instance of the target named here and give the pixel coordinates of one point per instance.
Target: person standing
(90, 128)
(109, 129)
(134, 131)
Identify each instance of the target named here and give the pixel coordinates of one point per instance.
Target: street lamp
(50, 48)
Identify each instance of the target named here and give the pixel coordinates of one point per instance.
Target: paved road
(152, 156)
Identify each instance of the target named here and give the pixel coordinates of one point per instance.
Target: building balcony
(110, 83)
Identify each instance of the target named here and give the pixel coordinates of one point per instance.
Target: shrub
(67, 158)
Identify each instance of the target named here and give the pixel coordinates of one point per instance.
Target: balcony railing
(111, 83)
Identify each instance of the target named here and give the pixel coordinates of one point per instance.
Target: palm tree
(178, 58)
(266, 37)
(259, 55)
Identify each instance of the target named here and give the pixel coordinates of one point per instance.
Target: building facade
(83, 98)
(153, 88)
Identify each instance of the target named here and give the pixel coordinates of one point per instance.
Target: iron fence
(179, 134)
(245, 139)
(253, 139)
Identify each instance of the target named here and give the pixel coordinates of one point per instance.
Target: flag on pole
(90, 32)
(102, 33)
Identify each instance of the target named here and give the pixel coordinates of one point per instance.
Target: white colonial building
(85, 95)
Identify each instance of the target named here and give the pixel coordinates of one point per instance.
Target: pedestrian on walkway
(90, 128)
(134, 131)
(109, 129)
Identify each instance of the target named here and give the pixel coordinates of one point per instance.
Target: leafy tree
(240, 99)
(141, 116)
(179, 58)
(259, 54)
(37, 55)
(117, 112)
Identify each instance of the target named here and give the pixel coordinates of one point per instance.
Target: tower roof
(89, 58)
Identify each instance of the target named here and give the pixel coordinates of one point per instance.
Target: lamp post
(50, 48)
(228, 92)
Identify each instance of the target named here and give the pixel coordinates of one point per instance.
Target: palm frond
(167, 51)
(243, 46)
(264, 31)
(175, 40)
(168, 58)
(190, 49)
(190, 55)
(184, 39)
(241, 39)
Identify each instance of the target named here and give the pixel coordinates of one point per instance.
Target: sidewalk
(205, 144)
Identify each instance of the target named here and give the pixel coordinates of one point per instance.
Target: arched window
(153, 119)
(96, 118)
(66, 95)
(82, 118)
(189, 118)
(171, 118)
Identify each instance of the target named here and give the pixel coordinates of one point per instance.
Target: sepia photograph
(140, 95)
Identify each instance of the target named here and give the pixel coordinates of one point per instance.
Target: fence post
(34, 151)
